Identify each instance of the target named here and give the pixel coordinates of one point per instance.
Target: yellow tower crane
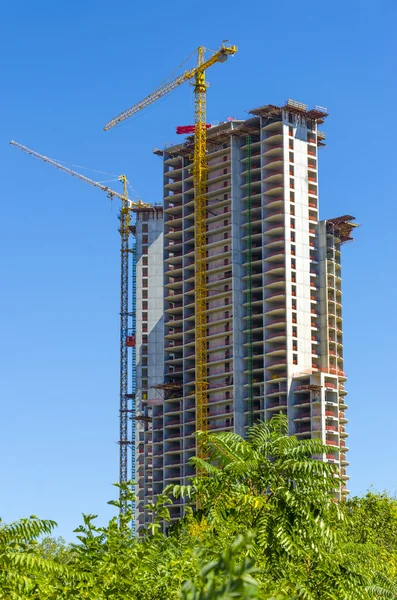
(126, 413)
(200, 183)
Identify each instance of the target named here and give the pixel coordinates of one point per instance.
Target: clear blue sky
(68, 67)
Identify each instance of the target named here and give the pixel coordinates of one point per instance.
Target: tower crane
(200, 184)
(126, 206)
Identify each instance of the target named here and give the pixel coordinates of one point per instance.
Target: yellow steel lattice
(200, 183)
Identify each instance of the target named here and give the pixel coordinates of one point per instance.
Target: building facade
(274, 298)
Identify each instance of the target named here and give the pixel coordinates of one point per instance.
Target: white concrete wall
(301, 244)
(155, 331)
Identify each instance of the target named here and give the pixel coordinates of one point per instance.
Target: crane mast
(200, 207)
(126, 413)
(124, 442)
(200, 185)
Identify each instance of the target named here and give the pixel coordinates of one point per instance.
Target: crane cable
(116, 177)
(149, 108)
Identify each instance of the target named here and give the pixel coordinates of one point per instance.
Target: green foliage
(21, 566)
(226, 576)
(261, 524)
(55, 549)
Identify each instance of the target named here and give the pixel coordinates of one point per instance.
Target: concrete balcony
(214, 163)
(174, 161)
(174, 271)
(218, 398)
(332, 414)
(303, 430)
(276, 323)
(332, 429)
(174, 245)
(332, 443)
(277, 336)
(273, 230)
(274, 310)
(333, 458)
(302, 415)
(274, 203)
(173, 361)
(255, 163)
(173, 419)
(274, 269)
(303, 400)
(173, 232)
(255, 171)
(274, 140)
(173, 320)
(173, 204)
(274, 126)
(175, 186)
(274, 404)
(274, 217)
(221, 425)
(275, 349)
(215, 178)
(275, 255)
(256, 198)
(275, 242)
(273, 151)
(173, 435)
(274, 190)
(273, 164)
(175, 174)
(343, 460)
(172, 332)
(276, 378)
(276, 363)
(174, 217)
(275, 283)
(173, 449)
(272, 177)
(173, 256)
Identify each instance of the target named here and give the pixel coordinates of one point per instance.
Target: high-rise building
(274, 298)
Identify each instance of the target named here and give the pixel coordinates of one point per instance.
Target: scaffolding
(249, 278)
(133, 365)
(342, 227)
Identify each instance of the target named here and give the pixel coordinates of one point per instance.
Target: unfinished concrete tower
(274, 323)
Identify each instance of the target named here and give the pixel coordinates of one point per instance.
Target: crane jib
(220, 56)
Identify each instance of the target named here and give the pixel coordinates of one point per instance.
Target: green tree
(372, 522)
(22, 570)
(226, 576)
(262, 524)
(271, 484)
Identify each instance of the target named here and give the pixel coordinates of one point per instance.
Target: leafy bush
(261, 522)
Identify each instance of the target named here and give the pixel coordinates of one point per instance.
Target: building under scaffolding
(274, 297)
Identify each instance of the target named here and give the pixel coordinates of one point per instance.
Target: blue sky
(67, 68)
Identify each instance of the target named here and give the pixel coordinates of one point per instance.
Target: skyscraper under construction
(274, 297)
